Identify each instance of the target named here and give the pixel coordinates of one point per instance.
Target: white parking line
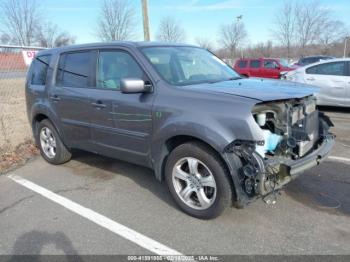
(99, 219)
(339, 159)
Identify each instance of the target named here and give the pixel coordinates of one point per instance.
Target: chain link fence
(14, 126)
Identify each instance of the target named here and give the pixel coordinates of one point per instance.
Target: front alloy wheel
(194, 183)
(198, 180)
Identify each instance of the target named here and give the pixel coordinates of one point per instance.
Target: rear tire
(51, 147)
(198, 180)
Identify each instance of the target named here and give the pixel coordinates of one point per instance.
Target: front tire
(51, 147)
(198, 180)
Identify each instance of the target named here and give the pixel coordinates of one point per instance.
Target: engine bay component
(290, 130)
(271, 142)
(261, 119)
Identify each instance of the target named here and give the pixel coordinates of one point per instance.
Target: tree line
(23, 23)
(299, 27)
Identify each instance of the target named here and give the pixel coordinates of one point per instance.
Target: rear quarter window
(39, 70)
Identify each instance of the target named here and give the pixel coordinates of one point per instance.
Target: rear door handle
(98, 104)
(55, 98)
(310, 79)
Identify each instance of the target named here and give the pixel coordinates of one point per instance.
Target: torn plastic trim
(252, 172)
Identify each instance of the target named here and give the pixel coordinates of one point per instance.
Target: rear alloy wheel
(51, 147)
(197, 180)
(48, 142)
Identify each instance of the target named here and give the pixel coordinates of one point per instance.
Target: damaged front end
(294, 137)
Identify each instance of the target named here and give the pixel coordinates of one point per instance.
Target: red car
(262, 67)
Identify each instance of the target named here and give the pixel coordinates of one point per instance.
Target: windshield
(188, 65)
(284, 62)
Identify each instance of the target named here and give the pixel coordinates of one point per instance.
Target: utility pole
(237, 24)
(145, 20)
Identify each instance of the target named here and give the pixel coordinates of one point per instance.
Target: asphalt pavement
(97, 205)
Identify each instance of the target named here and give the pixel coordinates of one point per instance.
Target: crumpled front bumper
(296, 167)
(273, 173)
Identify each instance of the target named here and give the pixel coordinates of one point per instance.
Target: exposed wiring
(272, 175)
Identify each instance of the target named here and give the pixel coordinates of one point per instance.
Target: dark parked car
(215, 138)
(311, 59)
(262, 67)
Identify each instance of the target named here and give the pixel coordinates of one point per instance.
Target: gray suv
(216, 139)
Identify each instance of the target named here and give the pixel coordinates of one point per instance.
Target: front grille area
(306, 132)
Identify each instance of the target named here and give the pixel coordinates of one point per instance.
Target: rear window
(255, 63)
(73, 69)
(311, 60)
(39, 71)
(242, 64)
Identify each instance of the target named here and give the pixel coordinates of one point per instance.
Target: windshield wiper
(222, 80)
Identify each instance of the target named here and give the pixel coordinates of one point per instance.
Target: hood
(259, 89)
(287, 68)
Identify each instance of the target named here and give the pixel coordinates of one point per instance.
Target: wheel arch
(40, 115)
(174, 141)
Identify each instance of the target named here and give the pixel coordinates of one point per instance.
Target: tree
(50, 36)
(5, 39)
(232, 36)
(284, 22)
(332, 31)
(170, 30)
(24, 24)
(63, 39)
(46, 35)
(264, 49)
(205, 43)
(20, 19)
(305, 23)
(116, 20)
(310, 18)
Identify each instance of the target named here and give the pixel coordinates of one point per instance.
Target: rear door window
(242, 64)
(335, 68)
(255, 63)
(311, 70)
(74, 69)
(39, 71)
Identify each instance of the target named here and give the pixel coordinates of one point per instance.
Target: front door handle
(98, 104)
(55, 98)
(310, 79)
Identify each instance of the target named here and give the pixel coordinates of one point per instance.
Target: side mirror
(277, 67)
(134, 85)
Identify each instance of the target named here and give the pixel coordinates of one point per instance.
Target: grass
(14, 126)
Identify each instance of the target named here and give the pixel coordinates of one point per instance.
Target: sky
(200, 18)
